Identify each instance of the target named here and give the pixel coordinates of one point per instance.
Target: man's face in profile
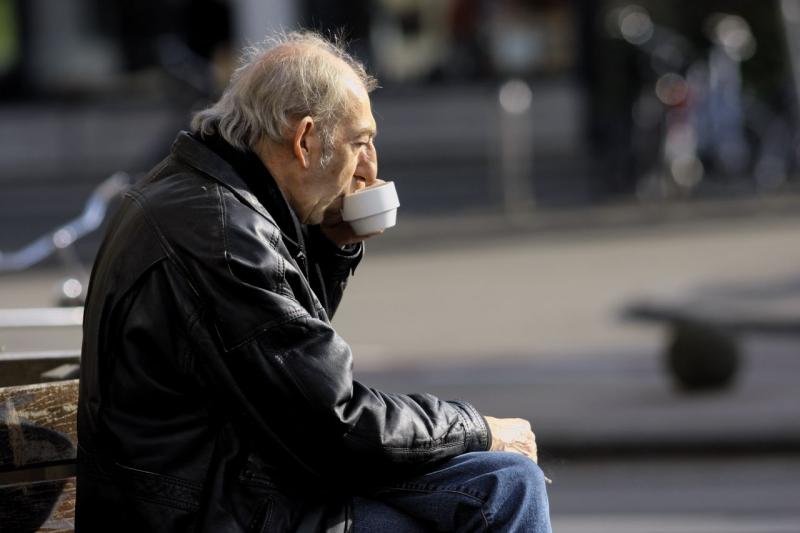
(353, 163)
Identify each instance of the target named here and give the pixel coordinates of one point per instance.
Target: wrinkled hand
(512, 435)
(336, 229)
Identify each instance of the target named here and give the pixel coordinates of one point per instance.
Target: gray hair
(281, 80)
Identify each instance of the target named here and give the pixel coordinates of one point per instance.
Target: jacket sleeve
(336, 265)
(288, 375)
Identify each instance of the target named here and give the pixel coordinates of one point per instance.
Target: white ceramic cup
(372, 209)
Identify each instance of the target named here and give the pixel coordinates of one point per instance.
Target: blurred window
(413, 41)
(9, 36)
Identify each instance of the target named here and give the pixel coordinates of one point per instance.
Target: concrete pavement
(712, 494)
(524, 322)
(604, 405)
(530, 295)
(529, 325)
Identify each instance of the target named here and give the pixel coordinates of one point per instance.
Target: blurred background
(598, 230)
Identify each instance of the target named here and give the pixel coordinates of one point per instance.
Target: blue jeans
(481, 491)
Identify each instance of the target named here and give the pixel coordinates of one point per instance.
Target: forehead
(360, 115)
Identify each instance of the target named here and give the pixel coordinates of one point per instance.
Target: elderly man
(215, 394)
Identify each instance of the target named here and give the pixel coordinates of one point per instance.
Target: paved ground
(547, 294)
(528, 295)
(629, 453)
(612, 405)
(526, 323)
(729, 494)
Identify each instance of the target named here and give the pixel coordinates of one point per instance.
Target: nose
(367, 167)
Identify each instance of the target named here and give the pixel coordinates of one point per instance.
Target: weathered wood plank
(38, 437)
(63, 516)
(42, 506)
(38, 424)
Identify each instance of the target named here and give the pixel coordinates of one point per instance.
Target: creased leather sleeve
(290, 376)
(340, 424)
(336, 265)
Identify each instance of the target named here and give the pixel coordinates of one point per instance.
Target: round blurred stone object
(702, 358)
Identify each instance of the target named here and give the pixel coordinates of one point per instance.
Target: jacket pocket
(156, 488)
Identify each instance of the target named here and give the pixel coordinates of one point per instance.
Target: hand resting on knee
(512, 435)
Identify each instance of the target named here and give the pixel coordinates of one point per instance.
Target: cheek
(346, 176)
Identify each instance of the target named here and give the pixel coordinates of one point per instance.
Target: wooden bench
(38, 440)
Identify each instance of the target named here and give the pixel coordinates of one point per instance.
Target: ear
(301, 144)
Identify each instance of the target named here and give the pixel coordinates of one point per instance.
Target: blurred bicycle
(694, 123)
(61, 242)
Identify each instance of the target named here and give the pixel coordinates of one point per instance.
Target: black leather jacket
(215, 395)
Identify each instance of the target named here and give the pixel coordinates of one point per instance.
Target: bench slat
(38, 424)
(38, 438)
(42, 506)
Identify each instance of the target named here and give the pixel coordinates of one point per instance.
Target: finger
(534, 448)
(529, 453)
(368, 235)
(353, 238)
(516, 449)
(529, 449)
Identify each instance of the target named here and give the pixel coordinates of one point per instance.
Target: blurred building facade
(522, 104)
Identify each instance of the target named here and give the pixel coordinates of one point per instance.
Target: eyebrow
(372, 132)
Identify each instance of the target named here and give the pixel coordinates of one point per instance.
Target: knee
(517, 491)
(513, 487)
(518, 469)
(512, 470)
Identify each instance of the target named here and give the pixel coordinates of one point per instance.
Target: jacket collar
(244, 174)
